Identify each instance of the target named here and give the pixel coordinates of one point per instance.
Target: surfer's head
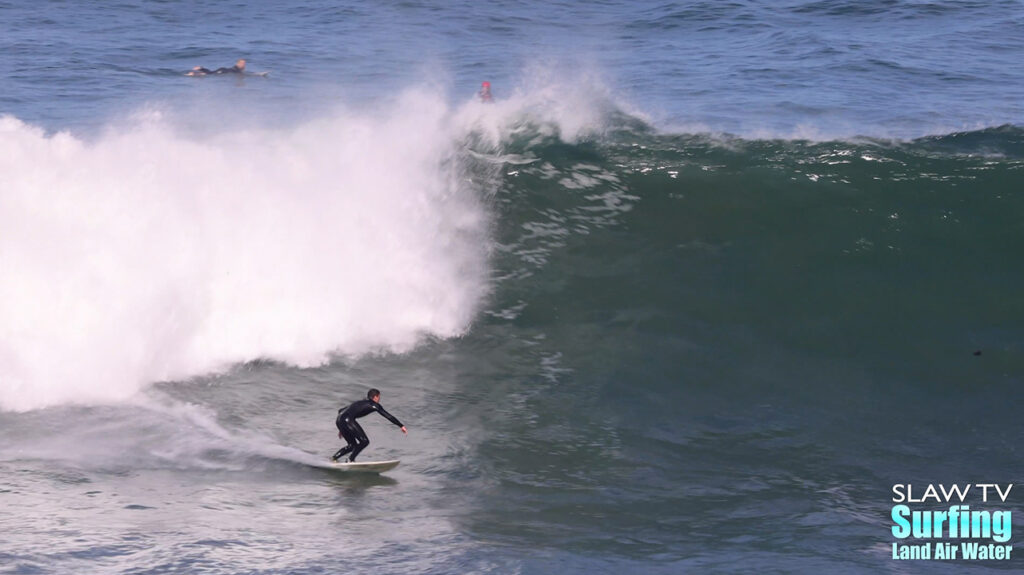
(373, 395)
(240, 64)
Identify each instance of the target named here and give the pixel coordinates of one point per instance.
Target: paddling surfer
(238, 68)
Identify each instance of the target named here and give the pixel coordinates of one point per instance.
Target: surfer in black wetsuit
(352, 432)
(238, 68)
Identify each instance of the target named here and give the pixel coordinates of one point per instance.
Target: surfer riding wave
(352, 432)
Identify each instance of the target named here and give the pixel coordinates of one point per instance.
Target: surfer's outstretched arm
(391, 418)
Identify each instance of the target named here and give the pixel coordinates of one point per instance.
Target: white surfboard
(365, 466)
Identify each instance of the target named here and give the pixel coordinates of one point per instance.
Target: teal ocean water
(701, 285)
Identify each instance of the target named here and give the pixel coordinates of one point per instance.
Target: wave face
(152, 253)
(148, 254)
(681, 319)
(897, 257)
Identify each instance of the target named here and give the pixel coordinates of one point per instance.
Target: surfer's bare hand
(404, 430)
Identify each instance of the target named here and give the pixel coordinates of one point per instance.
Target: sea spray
(147, 255)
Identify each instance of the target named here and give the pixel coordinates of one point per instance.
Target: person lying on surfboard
(352, 432)
(238, 68)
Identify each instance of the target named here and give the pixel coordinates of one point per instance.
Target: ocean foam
(147, 255)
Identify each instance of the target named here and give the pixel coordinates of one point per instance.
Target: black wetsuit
(206, 71)
(352, 432)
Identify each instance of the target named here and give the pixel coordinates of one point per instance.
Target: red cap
(486, 85)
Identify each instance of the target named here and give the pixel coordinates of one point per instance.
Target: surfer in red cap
(485, 92)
